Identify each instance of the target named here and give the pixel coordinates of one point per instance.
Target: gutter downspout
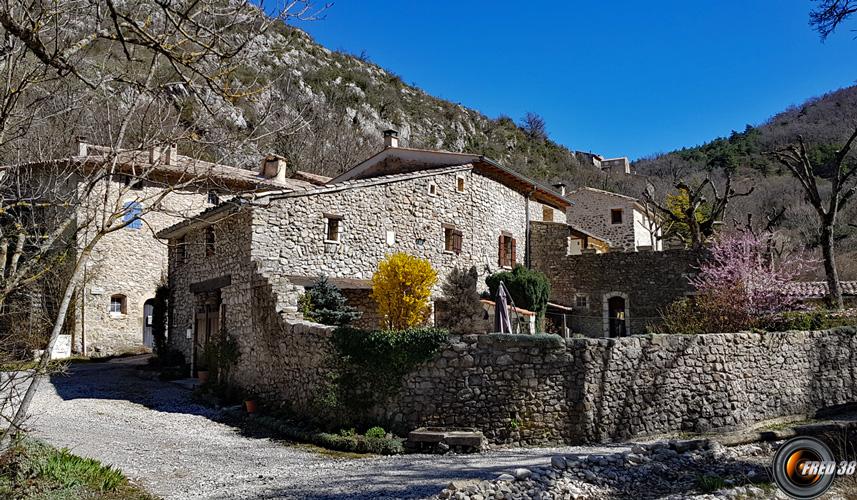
(527, 230)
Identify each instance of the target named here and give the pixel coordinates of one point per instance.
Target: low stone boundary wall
(521, 389)
(543, 389)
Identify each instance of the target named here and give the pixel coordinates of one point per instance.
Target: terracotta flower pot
(202, 376)
(250, 406)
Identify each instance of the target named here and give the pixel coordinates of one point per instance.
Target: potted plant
(250, 405)
(202, 369)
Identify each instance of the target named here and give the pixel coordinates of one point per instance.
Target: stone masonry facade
(646, 282)
(593, 210)
(127, 264)
(521, 389)
(282, 236)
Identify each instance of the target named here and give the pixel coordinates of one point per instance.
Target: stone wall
(543, 389)
(128, 262)
(648, 281)
(539, 390)
(591, 210)
(395, 214)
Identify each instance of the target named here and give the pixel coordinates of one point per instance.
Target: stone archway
(613, 304)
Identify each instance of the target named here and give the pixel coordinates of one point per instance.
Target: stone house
(112, 310)
(621, 220)
(243, 264)
(611, 294)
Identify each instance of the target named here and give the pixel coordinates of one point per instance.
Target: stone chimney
(154, 155)
(391, 139)
(82, 146)
(273, 167)
(166, 155)
(560, 186)
(171, 152)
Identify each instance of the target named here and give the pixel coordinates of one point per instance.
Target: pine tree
(463, 309)
(325, 304)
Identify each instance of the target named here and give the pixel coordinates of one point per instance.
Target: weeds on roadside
(31, 469)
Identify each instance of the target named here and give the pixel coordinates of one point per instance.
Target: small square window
(452, 239)
(547, 214)
(459, 184)
(332, 228)
(213, 197)
(581, 301)
(118, 305)
(391, 238)
(616, 216)
(433, 189)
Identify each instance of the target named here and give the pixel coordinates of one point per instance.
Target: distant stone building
(621, 220)
(243, 265)
(614, 294)
(112, 309)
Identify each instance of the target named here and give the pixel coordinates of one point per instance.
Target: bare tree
(123, 72)
(829, 14)
(697, 214)
(534, 126)
(841, 172)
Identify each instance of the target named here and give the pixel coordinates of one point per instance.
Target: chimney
(82, 146)
(391, 139)
(273, 167)
(171, 153)
(560, 186)
(154, 155)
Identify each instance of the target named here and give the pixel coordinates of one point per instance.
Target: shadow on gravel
(119, 379)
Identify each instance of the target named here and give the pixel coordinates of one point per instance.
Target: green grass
(710, 483)
(33, 470)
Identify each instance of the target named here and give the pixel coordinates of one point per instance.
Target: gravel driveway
(175, 449)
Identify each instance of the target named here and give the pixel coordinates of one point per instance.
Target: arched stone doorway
(617, 321)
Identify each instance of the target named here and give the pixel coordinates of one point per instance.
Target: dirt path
(173, 447)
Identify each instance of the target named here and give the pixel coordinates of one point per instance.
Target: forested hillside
(824, 122)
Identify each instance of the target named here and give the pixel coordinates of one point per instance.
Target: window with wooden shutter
(513, 257)
(507, 251)
(452, 240)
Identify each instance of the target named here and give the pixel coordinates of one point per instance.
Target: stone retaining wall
(543, 389)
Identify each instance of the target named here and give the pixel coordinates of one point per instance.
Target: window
(132, 215)
(433, 189)
(135, 184)
(213, 198)
(452, 239)
(459, 184)
(391, 238)
(547, 214)
(332, 225)
(118, 305)
(616, 216)
(581, 301)
(507, 257)
(209, 241)
(181, 250)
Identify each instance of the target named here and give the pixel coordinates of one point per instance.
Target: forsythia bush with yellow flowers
(401, 286)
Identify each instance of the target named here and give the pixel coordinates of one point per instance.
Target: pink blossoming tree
(743, 284)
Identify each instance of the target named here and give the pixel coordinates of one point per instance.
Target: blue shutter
(133, 211)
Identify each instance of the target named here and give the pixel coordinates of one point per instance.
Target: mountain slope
(825, 123)
(343, 102)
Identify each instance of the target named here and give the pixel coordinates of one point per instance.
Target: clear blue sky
(621, 78)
